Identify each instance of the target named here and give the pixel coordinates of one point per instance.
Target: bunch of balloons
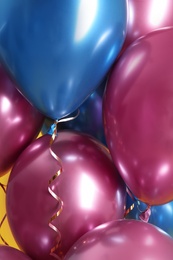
(68, 175)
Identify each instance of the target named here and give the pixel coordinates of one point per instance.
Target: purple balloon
(10, 253)
(20, 122)
(123, 239)
(144, 16)
(89, 186)
(138, 117)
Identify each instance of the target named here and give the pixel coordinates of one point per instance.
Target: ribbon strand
(53, 132)
(132, 206)
(4, 217)
(1, 223)
(3, 186)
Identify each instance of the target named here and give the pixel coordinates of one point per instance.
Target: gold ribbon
(132, 206)
(129, 210)
(144, 215)
(4, 217)
(56, 175)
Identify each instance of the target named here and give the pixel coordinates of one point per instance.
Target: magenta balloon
(144, 16)
(123, 239)
(20, 122)
(138, 117)
(90, 187)
(10, 253)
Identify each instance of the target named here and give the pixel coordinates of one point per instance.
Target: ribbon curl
(53, 132)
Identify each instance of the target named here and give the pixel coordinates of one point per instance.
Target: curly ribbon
(4, 217)
(53, 132)
(132, 206)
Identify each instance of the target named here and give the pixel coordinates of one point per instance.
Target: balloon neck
(53, 127)
(145, 215)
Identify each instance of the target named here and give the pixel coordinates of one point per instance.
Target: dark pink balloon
(138, 117)
(90, 187)
(144, 16)
(20, 122)
(121, 240)
(10, 253)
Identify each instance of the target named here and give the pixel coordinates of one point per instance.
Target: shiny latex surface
(123, 239)
(89, 120)
(5, 229)
(161, 215)
(10, 253)
(138, 118)
(144, 16)
(59, 51)
(89, 186)
(20, 122)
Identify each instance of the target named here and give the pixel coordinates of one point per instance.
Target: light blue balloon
(59, 51)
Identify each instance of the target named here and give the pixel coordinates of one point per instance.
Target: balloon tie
(145, 215)
(4, 217)
(53, 132)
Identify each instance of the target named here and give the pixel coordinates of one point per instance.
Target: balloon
(5, 230)
(59, 51)
(161, 215)
(20, 122)
(89, 119)
(7, 252)
(5, 11)
(138, 117)
(123, 239)
(89, 186)
(144, 16)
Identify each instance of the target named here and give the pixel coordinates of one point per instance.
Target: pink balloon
(20, 122)
(10, 253)
(90, 187)
(145, 16)
(138, 117)
(123, 239)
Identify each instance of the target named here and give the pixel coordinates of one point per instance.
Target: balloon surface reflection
(60, 51)
(89, 188)
(20, 122)
(90, 120)
(123, 239)
(138, 117)
(10, 253)
(144, 16)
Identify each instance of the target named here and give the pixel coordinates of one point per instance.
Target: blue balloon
(59, 51)
(161, 215)
(89, 120)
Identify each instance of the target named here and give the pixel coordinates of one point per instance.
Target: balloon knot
(145, 215)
